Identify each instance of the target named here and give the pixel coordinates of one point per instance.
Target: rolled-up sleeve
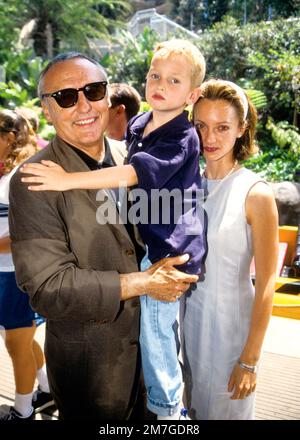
(47, 269)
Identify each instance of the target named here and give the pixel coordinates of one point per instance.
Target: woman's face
(217, 123)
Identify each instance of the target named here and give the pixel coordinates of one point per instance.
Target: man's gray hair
(65, 57)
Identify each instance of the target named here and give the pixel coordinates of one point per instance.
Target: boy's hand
(49, 175)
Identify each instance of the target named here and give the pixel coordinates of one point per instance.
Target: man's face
(83, 124)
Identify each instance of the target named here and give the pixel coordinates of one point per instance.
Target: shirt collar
(176, 124)
(92, 163)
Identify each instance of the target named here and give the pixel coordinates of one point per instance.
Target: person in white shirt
(17, 318)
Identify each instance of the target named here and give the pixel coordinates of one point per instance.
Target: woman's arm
(51, 176)
(261, 213)
(5, 245)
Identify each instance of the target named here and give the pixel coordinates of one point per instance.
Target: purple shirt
(168, 158)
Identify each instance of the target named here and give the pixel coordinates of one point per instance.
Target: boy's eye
(174, 81)
(154, 76)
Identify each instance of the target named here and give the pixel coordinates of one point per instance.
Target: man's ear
(193, 96)
(121, 109)
(46, 111)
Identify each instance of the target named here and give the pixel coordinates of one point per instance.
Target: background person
(31, 115)
(16, 316)
(224, 320)
(81, 275)
(125, 103)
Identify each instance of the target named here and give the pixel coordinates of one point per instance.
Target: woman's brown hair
(24, 144)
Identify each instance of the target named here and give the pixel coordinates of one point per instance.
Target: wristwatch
(250, 368)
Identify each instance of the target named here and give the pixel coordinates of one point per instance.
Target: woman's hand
(241, 382)
(49, 175)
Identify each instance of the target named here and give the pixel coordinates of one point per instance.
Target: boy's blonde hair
(166, 49)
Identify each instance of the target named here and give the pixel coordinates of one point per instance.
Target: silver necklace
(215, 189)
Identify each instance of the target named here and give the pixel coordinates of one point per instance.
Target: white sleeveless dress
(215, 317)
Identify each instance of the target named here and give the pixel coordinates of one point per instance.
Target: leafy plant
(65, 24)
(280, 159)
(264, 54)
(132, 59)
(258, 98)
(14, 95)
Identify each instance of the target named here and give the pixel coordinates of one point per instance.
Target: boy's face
(168, 86)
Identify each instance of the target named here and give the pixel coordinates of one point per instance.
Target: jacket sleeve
(45, 266)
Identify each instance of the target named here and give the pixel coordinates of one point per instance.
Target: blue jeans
(159, 348)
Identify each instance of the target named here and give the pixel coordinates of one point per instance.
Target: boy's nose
(161, 85)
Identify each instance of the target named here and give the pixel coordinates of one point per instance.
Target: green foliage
(203, 14)
(65, 24)
(258, 98)
(22, 71)
(14, 95)
(265, 55)
(144, 107)
(46, 131)
(24, 68)
(9, 29)
(278, 75)
(285, 135)
(279, 160)
(195, 14)
(131, 61)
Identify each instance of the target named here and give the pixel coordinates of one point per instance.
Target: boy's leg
(161, 367)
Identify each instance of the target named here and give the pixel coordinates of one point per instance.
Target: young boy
(163, 153)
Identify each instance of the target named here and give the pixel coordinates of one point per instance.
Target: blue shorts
(15, 311)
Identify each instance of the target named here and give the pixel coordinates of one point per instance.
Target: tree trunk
(39, 36)
(295, 116)
(49, 40)
(55, 39)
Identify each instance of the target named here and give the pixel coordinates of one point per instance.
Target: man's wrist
(132, 284)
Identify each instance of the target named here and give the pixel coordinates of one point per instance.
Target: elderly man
(81, 275)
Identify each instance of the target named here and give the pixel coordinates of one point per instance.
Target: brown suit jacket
(69, 265)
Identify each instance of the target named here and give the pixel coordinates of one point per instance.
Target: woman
(16, 316)
(224, 319)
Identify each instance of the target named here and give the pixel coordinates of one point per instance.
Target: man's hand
(49, 175)
(161, 281)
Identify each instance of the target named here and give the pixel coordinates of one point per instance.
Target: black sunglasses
(68, 97)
